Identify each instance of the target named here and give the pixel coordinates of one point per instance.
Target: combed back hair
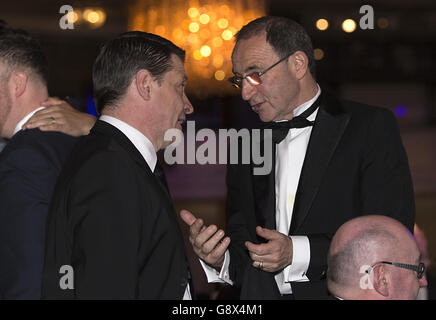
(345, 264)
(21, 52)
(283, 34)
(121, 58)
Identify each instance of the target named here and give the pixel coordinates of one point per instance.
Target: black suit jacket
(29, 166)
(355, 165)
(113, 222)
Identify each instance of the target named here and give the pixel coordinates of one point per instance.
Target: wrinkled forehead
(254, 52)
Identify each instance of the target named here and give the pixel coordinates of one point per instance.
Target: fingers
(209, 245)
(267, 233)
(51, 101)
(219, 250)
(187, 217)
(257, 249)
(195, 229)
(274, 255)
(44, 118)
(208, 242)
(204, 236)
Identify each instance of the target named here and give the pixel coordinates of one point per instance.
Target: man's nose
(247, 90)
(188, 108)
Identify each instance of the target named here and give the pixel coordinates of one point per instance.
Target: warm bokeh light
(217, 42)
(197, 55)
(178, 33)
(194, 27)
(383, 23)
(205, 51)
(205, 29)
(204, 19)
(223, 23)
(218, 61)
(72, 16)
(349, 25)
(227, 35)
(322, 24)
(96, 17)
(318, 54)
(193, 12)
(220, 75)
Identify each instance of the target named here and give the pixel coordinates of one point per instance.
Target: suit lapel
(329, 126)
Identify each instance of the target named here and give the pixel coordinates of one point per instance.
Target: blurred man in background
(375, 258)
(29, 164)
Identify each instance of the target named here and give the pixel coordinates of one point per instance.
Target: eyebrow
(248, 69)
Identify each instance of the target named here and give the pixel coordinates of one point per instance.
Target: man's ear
(381, 280)
(300, 64)
(143, 82)
(19, 83)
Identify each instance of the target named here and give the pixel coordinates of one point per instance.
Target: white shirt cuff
(296, 272)
(213, 276)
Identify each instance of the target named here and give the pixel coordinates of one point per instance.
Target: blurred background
(392, 65)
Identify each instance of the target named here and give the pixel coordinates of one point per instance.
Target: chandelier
(204, 29)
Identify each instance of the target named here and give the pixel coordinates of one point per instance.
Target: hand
(206, 241)
(274, 255)
(58, 115)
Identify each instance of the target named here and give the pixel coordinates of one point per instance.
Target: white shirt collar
(303, 107)
(24, 120)
(140, 141)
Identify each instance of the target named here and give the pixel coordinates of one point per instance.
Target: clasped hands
(210, 245)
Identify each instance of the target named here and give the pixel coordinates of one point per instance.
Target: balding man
(374, 258)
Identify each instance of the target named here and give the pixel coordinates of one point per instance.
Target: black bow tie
(280, 129)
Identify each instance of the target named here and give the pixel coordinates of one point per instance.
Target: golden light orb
(220, 75)
(349, 25)
(205, 51)
(322, 24)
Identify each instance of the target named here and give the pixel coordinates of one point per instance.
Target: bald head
(358, 245)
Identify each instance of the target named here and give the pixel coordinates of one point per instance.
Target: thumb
(187, 217)
(265, 233)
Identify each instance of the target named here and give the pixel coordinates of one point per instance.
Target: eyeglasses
(420, 269)
(254, 78)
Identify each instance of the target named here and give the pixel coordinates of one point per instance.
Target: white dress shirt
(290, 154)
(24, 120)
(145, 147)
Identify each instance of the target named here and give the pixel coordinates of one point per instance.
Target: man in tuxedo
(29, 165)
(375, 258)
(333, 160)
(112, 231)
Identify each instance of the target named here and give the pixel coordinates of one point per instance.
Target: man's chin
(264, 116)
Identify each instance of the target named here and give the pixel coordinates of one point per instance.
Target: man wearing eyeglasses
(374, 258)
(333, 160)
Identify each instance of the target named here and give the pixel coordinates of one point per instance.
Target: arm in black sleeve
(27, 179)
